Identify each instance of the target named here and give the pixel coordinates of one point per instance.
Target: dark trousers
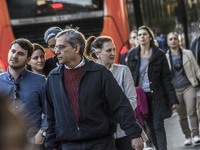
(37, 147)
(106, 143)
(123, 143)
(149, 142)
(155, 122)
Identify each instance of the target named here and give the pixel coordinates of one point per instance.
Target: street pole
(181, 6)
(138, 14)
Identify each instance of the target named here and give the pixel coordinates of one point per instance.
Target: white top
(125, 80)
(82, 63)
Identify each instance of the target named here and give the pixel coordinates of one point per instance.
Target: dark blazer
(195, 48)
(50, 64)
(159, 78)
(124, 57)
(100, 100)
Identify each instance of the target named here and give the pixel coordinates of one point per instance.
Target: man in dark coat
(195, 48)
(84, 101)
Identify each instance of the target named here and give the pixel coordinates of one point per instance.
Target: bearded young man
(25, 90)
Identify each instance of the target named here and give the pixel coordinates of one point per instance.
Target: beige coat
(190, 65)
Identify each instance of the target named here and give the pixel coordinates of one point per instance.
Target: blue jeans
(106, 143)
(155, 122)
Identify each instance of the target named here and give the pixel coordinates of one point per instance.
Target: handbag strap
(140, 83)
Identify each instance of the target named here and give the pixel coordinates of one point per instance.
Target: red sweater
(72, 79)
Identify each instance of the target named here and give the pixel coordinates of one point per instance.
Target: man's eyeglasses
(60, 47)
(15, 91)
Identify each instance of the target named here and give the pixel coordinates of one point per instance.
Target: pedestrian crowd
(80, 99)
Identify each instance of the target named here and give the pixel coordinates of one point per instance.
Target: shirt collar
(82, 63)
(22, 74)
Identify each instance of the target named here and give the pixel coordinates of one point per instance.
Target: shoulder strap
(140, 83)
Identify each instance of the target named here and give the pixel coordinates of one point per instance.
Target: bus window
(35, 16)
(31, 18)
(35, 8)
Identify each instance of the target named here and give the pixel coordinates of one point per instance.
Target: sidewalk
(175, 137)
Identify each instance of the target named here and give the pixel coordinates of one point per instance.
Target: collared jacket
(160, 79)
(100, 102)
(190, 66)
(195, 48)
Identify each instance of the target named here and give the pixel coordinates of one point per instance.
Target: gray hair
(74, 37)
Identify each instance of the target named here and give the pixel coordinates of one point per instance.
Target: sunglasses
(16, 89)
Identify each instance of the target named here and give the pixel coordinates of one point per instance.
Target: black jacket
(124, 57)
(195, 48)
(50, 64)
(160, 79)
(101, 101)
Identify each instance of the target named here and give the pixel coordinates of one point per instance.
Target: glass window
(36, 8)
(31, 18)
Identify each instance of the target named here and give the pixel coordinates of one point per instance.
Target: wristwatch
(43, 133)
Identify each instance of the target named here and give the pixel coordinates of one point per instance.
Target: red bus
(31, 18)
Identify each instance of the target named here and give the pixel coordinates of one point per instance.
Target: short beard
(17, 67)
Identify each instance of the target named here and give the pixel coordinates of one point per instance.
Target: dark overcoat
(160, 79)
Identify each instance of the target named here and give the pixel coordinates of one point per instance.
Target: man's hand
(174, 106)
(39, 139)
(137, 143)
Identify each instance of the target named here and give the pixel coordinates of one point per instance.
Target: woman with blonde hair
(186, 73)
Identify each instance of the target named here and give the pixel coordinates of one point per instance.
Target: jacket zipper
(77, 127)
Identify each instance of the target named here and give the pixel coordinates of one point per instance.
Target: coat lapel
(185, 58)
